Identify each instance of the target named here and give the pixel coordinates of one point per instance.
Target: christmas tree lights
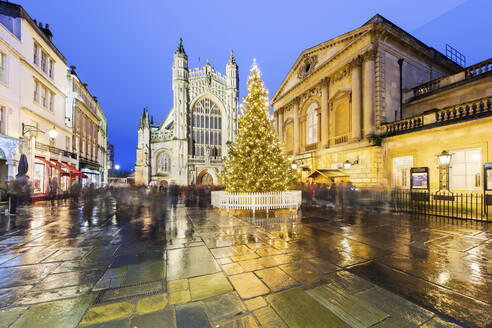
(256, 162)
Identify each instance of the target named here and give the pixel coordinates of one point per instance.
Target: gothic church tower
(142, 165)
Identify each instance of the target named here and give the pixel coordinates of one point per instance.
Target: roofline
(22, 13)
(370, 24)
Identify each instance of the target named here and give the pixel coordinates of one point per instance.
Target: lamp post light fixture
(294, 166)
(117, 167)
(53, 133)
(347, 164)
(444, 160)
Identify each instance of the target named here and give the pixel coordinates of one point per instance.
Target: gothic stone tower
(142, 165)
(188, 146)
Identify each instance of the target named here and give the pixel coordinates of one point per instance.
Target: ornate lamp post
(444, 160)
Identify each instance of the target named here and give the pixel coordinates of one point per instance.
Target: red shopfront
(45, 170)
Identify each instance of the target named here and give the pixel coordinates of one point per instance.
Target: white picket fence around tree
(257, 200)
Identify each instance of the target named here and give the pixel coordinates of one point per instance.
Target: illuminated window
(465, 170)
(312, 125)
(208, 128)
(163, 163)
(401, 171)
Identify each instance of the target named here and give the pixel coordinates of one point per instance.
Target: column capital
(324, 82)
(356, 62)
(371, 54)
(296, 100)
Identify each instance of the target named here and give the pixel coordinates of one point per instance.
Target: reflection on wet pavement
(144, 264)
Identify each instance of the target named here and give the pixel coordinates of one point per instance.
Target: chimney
(85, 85)
(46, 30)
(72, 69)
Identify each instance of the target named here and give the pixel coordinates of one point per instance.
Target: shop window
(38, 178)
(401, 171)
(465, 170)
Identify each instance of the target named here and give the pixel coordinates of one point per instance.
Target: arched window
(163, 163)
(312, 124)
(209, 130)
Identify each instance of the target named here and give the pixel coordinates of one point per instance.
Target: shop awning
(72, 169)
(53, 165)
(328, 173)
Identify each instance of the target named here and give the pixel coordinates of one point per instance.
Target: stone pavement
(153, 266)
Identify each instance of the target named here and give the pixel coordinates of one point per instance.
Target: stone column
(325, 112)
(356, 99)
(369, 92)
(296, 125)
(281, 124)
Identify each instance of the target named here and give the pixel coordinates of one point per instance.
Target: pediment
(313, 58)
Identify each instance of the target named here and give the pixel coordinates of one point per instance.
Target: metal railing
(257, 201)
(54, 150)
(466, 206)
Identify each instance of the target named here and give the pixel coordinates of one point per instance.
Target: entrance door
(206, 179)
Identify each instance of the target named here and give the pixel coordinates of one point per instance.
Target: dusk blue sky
(123, 49)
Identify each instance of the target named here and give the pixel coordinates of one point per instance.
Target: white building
(188, 146)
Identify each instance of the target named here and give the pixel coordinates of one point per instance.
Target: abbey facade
(188, 146)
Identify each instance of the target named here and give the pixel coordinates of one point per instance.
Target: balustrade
(466, 110)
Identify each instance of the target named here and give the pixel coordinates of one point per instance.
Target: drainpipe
(400, 63)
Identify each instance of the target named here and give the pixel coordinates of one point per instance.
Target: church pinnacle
(232, 60)
(180, 47)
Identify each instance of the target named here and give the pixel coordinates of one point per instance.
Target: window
(52, 69)
(312, 125)
(465, 169)
(44, 96)
(208, 129)
(67, 143)
(163, 163)
(3, 67)
(3, 120)
(44, 64)
(401, 171)
(36, 54)
(52, 101)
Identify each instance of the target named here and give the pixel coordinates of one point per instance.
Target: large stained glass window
(207, 128)
(163, 163)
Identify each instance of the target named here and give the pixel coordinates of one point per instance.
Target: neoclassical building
(188, 146)
(332, 108)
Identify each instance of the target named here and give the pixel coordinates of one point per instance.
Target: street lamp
(53, 133)
(294, 166)
(444, 160)
(347, 164)
(117, 167)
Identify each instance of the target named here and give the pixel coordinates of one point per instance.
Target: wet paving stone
(248, 285)
(178, 285)
(298, 309)
(190, 262)
(65, 313)
(275, 278)
(7, 317)
(123, 323)
(75, 278)
(352, 310)
(32, 256)
(432, 296)
(246, 321)
(40, 296)
(152, 303)
(164, 318)
(107, 312)
(144, 272)
(9, 295)
(233, 268)
(191, 315)
(223, 306)
(209, 286)
(180, 296)
(25, 275)
(348, 281)
(255, 303)
(268, 318)
(123, 292)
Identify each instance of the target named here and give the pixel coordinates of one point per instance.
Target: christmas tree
(256, 163)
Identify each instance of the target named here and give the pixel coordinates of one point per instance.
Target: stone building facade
(332, 107)
(188, 146)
